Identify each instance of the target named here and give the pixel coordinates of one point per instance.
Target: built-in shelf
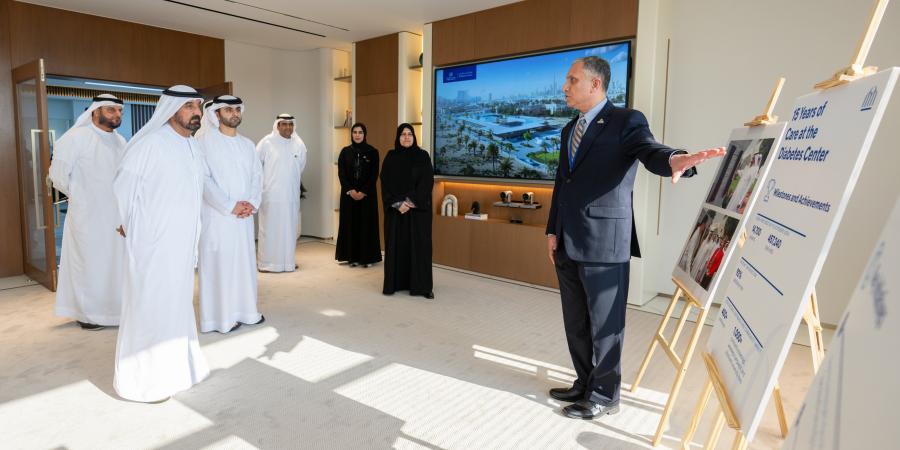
(517, 205)
(416, 67)
(489, 220)
(415, 123)
(340, 127)
(347, 79)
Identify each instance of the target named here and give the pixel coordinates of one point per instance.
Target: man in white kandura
(159, 189)
(85, 159)
(283, 156)
(231, 194)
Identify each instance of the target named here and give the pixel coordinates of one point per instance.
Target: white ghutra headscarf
(283, 117)
(169, 103)
(98, 102)
(210, 121)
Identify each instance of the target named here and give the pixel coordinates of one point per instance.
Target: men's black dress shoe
(353, 264)
(567, 394)
(235, 327)
(430, 296)
(90, 326)
(587, 410)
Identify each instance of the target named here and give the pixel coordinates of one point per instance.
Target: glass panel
(29, 134)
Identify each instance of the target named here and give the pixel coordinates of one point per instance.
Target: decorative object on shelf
(450, 206)
(476, 212)
(528, 198)
(506, 196)
(348, 118)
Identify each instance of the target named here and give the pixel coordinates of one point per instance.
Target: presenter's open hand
(685, 161)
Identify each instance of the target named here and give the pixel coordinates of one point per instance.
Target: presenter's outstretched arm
(684, 161)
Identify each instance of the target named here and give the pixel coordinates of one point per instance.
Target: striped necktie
(576, 140)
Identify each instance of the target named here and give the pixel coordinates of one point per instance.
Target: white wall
(272, 81)
(725, 58)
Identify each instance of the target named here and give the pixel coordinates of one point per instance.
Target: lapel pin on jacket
(601, 121)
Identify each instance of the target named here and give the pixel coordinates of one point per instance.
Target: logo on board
(869, 99)
(770, 187)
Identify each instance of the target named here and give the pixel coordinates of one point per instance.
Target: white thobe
(227, 265)
(699, 262)
(159, 188)
(283, 161)
(686, 257)
(747, 176)
(89, 287)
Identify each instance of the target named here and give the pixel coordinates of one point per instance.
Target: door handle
(35, 157)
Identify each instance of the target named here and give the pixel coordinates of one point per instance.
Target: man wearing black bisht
(406, 181)
(358, 242)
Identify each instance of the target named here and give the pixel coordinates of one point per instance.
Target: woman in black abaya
(358, 242)
(406, 181)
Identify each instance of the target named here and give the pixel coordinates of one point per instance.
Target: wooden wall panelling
(376, 66)
(531, 26)
(522, 27)
(452, 242)
(553, 17)
(456, 42)
(86, 46)
(513, 251)
(600, 20)
(379, 114)
(81, 45)
(10, 224)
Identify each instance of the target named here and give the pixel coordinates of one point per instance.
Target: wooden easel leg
(715, 432)
(814, 326)
(739, 442)
(698, 414)
(779, 408)
(655, 340)
(680, 373)
(685, 312)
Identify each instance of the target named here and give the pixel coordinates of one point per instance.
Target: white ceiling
(362, 19)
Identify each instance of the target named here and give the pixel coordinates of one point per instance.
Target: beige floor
(338, 365)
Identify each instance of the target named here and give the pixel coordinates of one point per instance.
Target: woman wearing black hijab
(358, 242)
(406, 181)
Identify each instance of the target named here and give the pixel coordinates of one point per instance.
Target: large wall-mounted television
(502, 118)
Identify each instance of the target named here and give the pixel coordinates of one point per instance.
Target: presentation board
(853, 400)
(709, 246)
(790, 231)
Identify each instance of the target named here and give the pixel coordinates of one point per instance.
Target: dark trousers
(593, 305)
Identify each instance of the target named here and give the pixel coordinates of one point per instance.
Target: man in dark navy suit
(591, 234)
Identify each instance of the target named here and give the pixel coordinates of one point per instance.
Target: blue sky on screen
(523, 76)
